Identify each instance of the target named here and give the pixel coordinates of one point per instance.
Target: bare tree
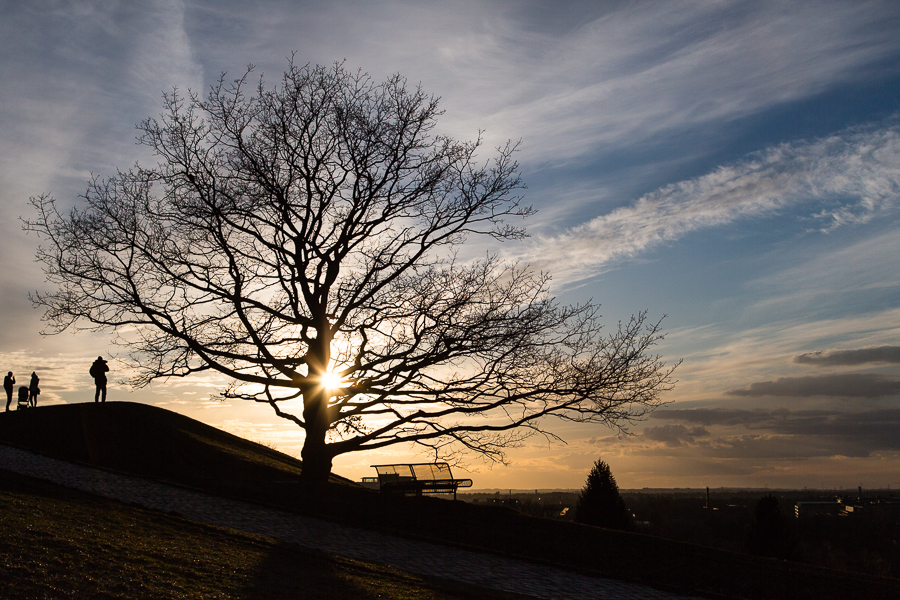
(302, 240)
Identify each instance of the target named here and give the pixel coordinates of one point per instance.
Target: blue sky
(733, 165)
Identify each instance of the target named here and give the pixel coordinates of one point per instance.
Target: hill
(62, 543)
(153, 442)
(150, 442)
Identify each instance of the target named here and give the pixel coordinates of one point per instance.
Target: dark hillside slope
(153, 442)
(62, 543)
(150, 442)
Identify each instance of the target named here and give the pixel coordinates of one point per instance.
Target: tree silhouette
(600, 503)
(303, 240)
(769, 533)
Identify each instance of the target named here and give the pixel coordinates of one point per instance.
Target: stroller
(23, 397)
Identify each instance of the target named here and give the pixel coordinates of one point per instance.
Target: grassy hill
(61, 543)
(153, 442)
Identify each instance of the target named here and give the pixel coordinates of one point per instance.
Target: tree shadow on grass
(290, 571)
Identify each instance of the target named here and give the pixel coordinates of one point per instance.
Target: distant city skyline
(734, 166)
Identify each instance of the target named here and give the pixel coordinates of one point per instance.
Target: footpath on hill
(483, 569)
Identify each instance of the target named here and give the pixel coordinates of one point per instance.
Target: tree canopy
(303, 240)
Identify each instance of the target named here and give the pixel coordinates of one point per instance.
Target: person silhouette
(8, 382)
(33, 389)
(98, 371)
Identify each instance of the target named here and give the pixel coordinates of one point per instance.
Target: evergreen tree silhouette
(770, 534)
(600, 503)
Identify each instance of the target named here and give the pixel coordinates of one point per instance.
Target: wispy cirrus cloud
(579, 76)
(76, 78)
(846, 178)
(645, 69)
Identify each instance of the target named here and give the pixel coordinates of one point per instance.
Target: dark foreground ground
(60, 543)
(159, 444)
(864, 540)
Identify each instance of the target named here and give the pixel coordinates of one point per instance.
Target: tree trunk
(315, 455)
(316, 461)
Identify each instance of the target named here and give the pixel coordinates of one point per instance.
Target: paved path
(486, 570)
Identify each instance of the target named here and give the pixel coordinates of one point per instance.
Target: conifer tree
(600, 503)
(770, 534)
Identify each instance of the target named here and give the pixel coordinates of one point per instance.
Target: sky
(732, 166)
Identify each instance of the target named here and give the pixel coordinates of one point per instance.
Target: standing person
(33, 389)
(98, 372)
(8, 382)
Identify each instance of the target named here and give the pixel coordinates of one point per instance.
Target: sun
(331, 380)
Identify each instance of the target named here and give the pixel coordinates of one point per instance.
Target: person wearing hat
(98, 372)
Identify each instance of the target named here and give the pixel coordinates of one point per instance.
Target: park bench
(418, 479)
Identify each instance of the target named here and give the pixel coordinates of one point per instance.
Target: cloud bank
(780, 433)
(848, 385)
(674, 435)
(836, 358)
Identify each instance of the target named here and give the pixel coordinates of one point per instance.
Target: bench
(418, 479)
